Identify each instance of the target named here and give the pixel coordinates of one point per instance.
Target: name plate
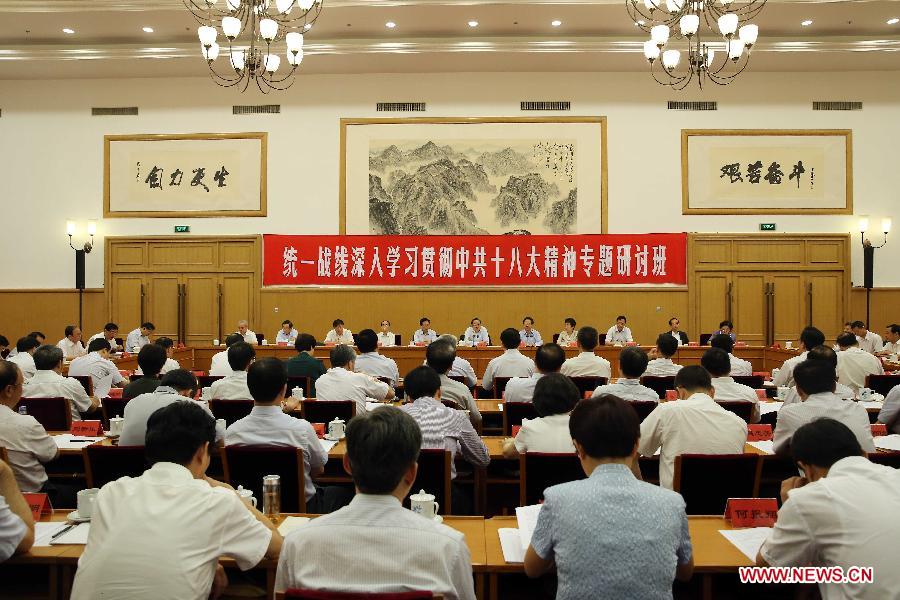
(515, 430)
(759, 433)
(39, 505)
(671, 395)
(87, 428)
(761, 394)
(320, 429)
(751, 512)
(879, 429)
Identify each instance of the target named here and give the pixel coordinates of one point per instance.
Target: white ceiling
(431, 36)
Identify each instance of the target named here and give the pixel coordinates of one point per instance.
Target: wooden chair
(659, 384)
(882, 384)
(112, 407)
(434, 476)
(54, 414)
(888, 459)
(103, 464)
(462, 379)
(743, 409)
(86, 383)
(588, 384)
(514, 412)
(540, 470)
(643, 408)
(247, 465)
(326, 411)
(451, 404)
(230, 410)
(498, 387)
(299, 381)
(3, 455)
(327, 595)
(754, 381)
(707, 481)
(704, 339)
(134, 377)
(207, 380)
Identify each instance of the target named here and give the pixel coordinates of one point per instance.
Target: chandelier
(719, 61)
(257, 32)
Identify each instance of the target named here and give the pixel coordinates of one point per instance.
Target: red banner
(485, 260)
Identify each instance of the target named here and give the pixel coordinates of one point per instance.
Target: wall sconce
(80, 253)
(869, 255)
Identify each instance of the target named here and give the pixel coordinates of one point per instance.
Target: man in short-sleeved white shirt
(619, 334)
(49, 383)
(24, 357)
(587, 364)
(739, 367)
(855, 364)
(219, 366)
(662, 365)
(338, 334)
(96, 365)
(821, 522)
(869, 341)
(424, 335)
(715, 361)
(71, 345)
(340, 382)
(632, 364)
(370, 362)
(249, 336)
(234, 387)
(511, 363)
(138, 338)
(109, 333)
(693, 424)
(810, 337)
(548, 359)
(162, 534)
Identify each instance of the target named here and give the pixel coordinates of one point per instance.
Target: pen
(79, 440)
(62, 531)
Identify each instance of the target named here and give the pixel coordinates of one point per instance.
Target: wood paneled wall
(885, 307)
(49, 311)
(647, 310)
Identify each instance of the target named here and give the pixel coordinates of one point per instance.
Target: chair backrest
(230, 410)
(260, 337)
(134, 377)
(355, 337)
(659, 384)
(86, 383)
(298, 381)
(247, 465)
(514, 412)
(103, 464)
(704, 338)
(707, 481)
(882, 384)
(3, 455)
(326, 411)
(540, 470)
(326, 595)
(435, 471)
(499, 386)
(450, 404)
(555, 338)
(53, 413)
(601, 339)
(588, 384)
(207, 380)
(741, 408)
(398, 339)
(112, 407)
(462, 379)
(754, 381)
(643, 408)
(889, 459)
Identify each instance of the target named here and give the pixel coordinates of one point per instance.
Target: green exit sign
(187, 229)
(767, 226)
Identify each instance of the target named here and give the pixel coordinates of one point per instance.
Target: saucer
(438, 519)
(333, 439)
(111, 435)
(76, 518)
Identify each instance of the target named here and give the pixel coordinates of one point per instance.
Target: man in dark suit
(676, 333)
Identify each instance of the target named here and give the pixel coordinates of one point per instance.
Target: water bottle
(23, 410)
(272, 497)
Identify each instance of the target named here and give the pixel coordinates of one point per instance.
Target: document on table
(291, 523)
(527, 517)
(78, 534)
(67, 441)
(767, 446)
(888, 442)
(370, 406)
(500, 407)
(44, 531)
(769, 407)
(327, 445)
(514, 542)
(748, 541)
(871, 404)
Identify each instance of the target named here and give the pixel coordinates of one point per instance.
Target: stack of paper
(327, 445)
(888, 442)
(748, 541)
(67, 441)
(373, 405)
(291, 523)
(872, 403)
(43, 532)
(769, 407)
(514, 542)
(766, 446)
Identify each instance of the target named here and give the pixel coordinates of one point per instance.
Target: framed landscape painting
(473, 176)
(763, 171)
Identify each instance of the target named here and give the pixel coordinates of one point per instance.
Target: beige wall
(49, 311)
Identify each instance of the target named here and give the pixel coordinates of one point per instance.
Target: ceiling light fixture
(69, 31)
(473, 23)
(148, 30)
(556, 23)
(253, 29)
(806, 23)
(390, 24)
(683, 19)
(893, 21)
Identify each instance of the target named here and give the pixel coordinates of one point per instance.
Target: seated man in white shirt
(810, 337)
(71, 345)
(96, 365)
(715, 361)
(48, 382)
(109, 333)
(375, 545)
(424, 335)
(219, 366)
(587, 364)
(549, 358)
(569, 335)
(287, 335)
(27, 444)
(619, 334)
(869, 341)
(24, 357)
(341, 382)
(440, 356)
(511, 363)
(529, 336)
(461, 367)
(386, 337)
(161, 535)
(815, 385)
(370, 362)
(16, 522)
(338, 334)
(891, 341)
(244, 331)
(855, 364)
(268, 425)
(827, 354)
(632, 364)
(169, 346)
(476, 333)
(662, 364)
(554, 398)
(234, 387)
(739, 366)
(693, 424)
(175, 386)
(836, 515)
(140, 337)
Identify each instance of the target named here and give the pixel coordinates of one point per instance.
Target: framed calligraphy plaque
(766, 171)
(185, 175)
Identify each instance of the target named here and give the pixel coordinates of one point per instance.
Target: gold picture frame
(590, 121)
(250, 199)
(703, 193)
